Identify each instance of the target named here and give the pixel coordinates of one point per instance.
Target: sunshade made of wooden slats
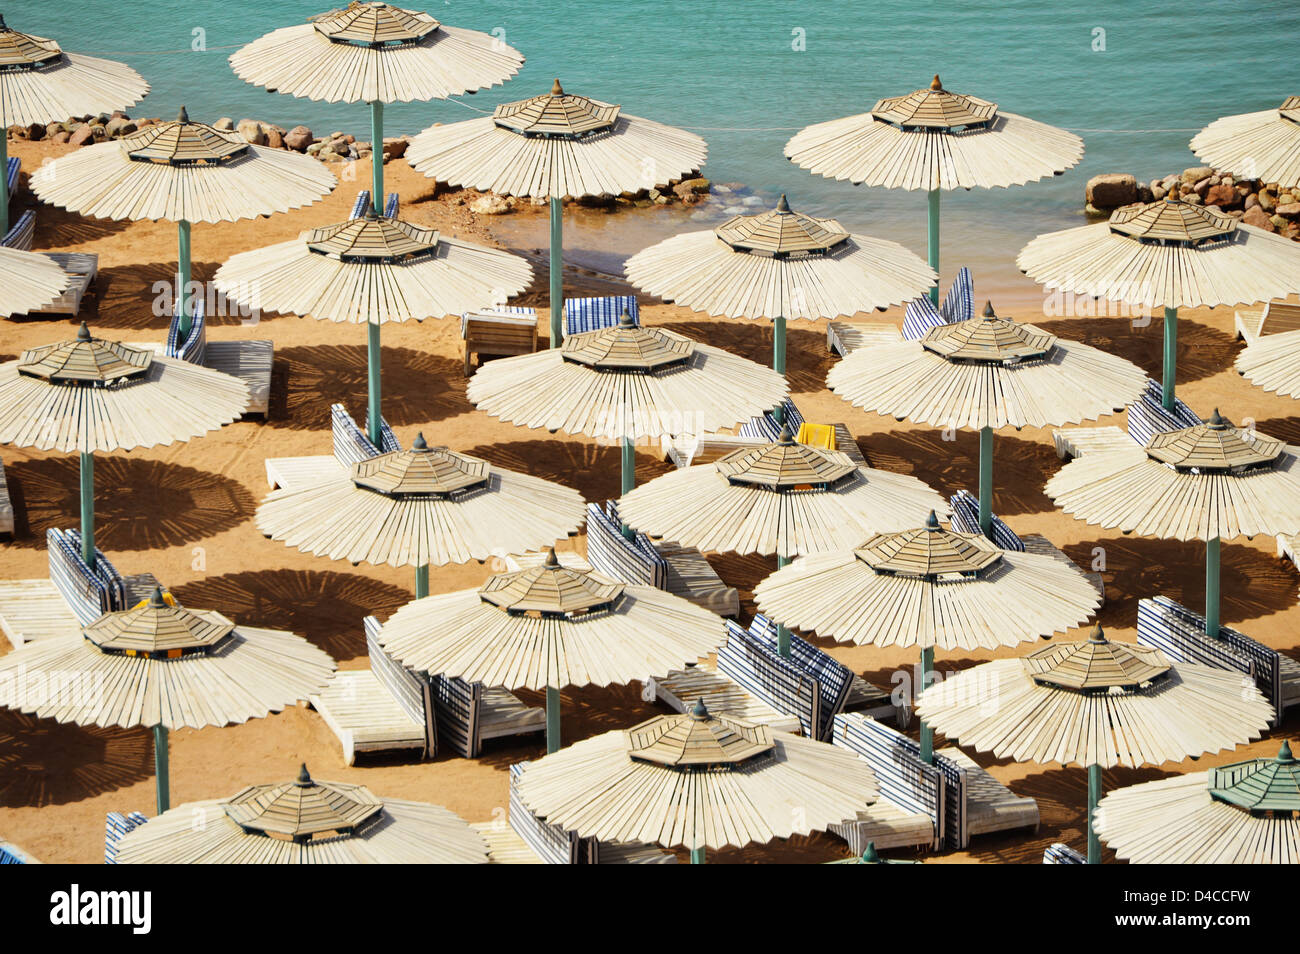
(1096, 703)
(987, 372)
(89, 395)
(935, 139)
(304, 822)
(372, 269)
(434, 506)
(28, 281)
(1272, 362)
(1246, 813)
(556, 145)
(375, 52)
(550, 627)
(696, 781)
(1263, 145)
(200, 670)
(627, 382)
(928, 588)
(782, 498)
(779, 263)
(1210, 481)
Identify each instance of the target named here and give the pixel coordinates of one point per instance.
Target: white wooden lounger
(845, 337)
(365, 716)
(82, 268)
(289, 472)
(1274, 318)
(990, 805)
(248, 360)
(1077, 441)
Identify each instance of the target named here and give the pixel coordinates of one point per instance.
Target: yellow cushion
(817, 435)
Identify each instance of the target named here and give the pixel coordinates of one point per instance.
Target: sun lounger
(1058, 853)
(845, 337)
(362, 205)
(1274, 318)
(1179, 633)
(82, 268)
(250, 361)
(499, 332)
(13, 166)
(11, 854)
(1076, 441)
(990, 805)
(1147, 416)
(351, 446)
(592, 314)
(6, 505)
(116, 826)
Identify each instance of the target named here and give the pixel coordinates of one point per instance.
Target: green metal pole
(557, 272)
(1094, 796)
(183, 275)
(4, 170)
(160, 768)
(782, 634)
(372, 374)
(552, 720)
(986, 480)
(88, 510)
(1212, 588)
(1171, 357)
(778, 359)
(697, 856)
(629, 478)
(421, 581)
(377, 155)
(934, 242)
(927, 734)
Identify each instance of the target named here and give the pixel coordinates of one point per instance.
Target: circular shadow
(43, 762)
(592, 469)
(1202, 351)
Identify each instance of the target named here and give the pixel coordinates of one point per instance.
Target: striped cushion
(919, 317)
(904, 779)
(611, 553)
(1147, 416)
(592, 314)
(552, 843)
(959, 303)
(834, 679)
(966, 519)
(12, 168)
(755, 666)
(195, 346)
(22, 233)
(361, 205)
(89, 594)
(765, 425)
(1061, 854)
(405, 686)
(351, 444)
(390, 207)
(115, 826)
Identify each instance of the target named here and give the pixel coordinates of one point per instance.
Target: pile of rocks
(1256, 203)
(82, 130)
(688, 190)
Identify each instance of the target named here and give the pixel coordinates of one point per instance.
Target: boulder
(275, 137)
(696, 186)
(83, 135)
(61, 136)
(1196, 174)
(1222, 195)
(1202, 187)
(395, 147)
(1291, 210)
(225, 124)
(119, 127)
(252, 131)
(1145, 194)
(1252, 202)
(491, 204)
(1267, 200)
(1257, 217)
(1111, 190)
(298, 139)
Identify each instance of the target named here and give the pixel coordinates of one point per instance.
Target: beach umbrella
(556, 145)
(375, 53)
(1273, 363)
(697, 781)
(370, 270)
(91, 394)
(935, 140)
(1166, 254)
(928, 588)
(165, 667)
(548, 627)
(1098, 704)
(1246, 813)
(986, 373)
(184, 172)
(625, 383)
(1207, 482)
(304, 822)
(28, 281)
(779, 264)
(1263, 145)
(40, 83)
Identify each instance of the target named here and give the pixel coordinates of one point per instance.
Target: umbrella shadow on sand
(807, 360)
(139, 504)
(57, 228)
(588, 467)
(324, 607)
(43, 762)
(138, 297)
(418, 387)
(1202, 351)
(1282, 428)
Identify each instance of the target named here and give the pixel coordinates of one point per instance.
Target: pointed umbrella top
(22, 51)
(420, 471)
(1214, 447)
(84, 361)
(1096, 665)
(988, 340)
(550, 590)
(300, 809)
(698, 739)
(930, 553)
(935, 109)
(374, 25)
(1265, 787)
(781, 233)
(786, 466)
(373, 239)
(627, 347)
(1172, 220)
(184, 143)
(157, 630)
(556, 115)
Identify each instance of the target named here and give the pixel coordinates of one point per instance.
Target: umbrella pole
(697, 856)
(629, 478)
(1171, 358)
(557, 271)
(372, 377)
(422, 581)
(183, 276)
(1094, 796)
(377, 155)
(934, 242)
(88, 510)
(778, 360)
(160, 768)
(1212, 588)
(986, 481)
(927, 733)
(552, 720)
(782, 633)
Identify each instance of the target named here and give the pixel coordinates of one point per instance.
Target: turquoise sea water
(730, 70)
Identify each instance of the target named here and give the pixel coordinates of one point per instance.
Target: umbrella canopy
(935, 139)
(420, 506)
(375, 52)
(1245, 813)
(1272, 362)
(779, 264)
(91, 394)
(1096, 702)
(551, 627)
(159, 664)
(304, 822)
(783, 498)
(627, 382)
(697, 781)
(928, 587)
(372, 269)
(1263, 145)
(28, 281)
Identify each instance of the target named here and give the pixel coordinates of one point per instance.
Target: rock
(117, 128)
(36, 131)
(752, 200)
(1194, 199)
(1196, 174)
(491, 204)
(1278, 222)
(1252, 202)
(298, 139)
(61, 136)
(313, 149)
(275, 137)
(1202, 187)
(252, 131)
(395, 147)
(225, 124)
(1257, 217)
(1111, 190)
(1291, 210)
(1267, 200)
(328, 155)
(83, 135)
(1158, 192)
(698, 186)
(1144, 193)
(1222, 195)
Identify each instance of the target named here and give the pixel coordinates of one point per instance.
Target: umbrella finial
(625, 320)
(83, 333)
(1097, 636)
(556, 88)
(1218, 421)
(420, 444)
(183, 116)
(870, 857)
(787, 436)
(552, 560)
(699, 711)
(156, 600)
(932, 521)
(935, 84)
(782, 205)
(304, 777)
(1284, 754)
(4, 27)
(988, 310)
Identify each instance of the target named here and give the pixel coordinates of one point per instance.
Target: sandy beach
(185, 513)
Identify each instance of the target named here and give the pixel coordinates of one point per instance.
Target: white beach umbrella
(1263, 145)
(28, 281)
(1272, 362)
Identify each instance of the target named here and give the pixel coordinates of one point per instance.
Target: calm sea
(1134, 79)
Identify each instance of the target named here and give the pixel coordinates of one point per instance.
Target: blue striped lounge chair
(89, 593)
(13, 166)
(1147, 416)
(116, 826)
(1058, 853)
(362, 205)
(11, 854)
(82, 268)
(250, 360)
(958, 305)
(765, 425)
(592, 314)
(754, 665)
(352, 444)
(6, 505)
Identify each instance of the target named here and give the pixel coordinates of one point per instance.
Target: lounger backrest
(12, 167)
(966, 519)
(781, 683)
(766, 427)
(959, 303)
(834, 679)
(351, 444)
(390, 206)
(195, 346)
(115, 826)
(904, 779)
(515, 314)
(410, 691)
(11, 854)
(22, 234)
(1147, 416)
(457, 709)
(361, 205)
(955, 831)
(592, 314)
(919, 317)
(1061, 854)
(89, 594)
(553, 844)
(611, 553)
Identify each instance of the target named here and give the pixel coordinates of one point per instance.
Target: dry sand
(185, 514)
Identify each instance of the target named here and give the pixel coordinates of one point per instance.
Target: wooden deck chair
(845, 337)
(82, 268)
(1147, 416)
(500, 332)
(1274, 318)
(592, 314)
